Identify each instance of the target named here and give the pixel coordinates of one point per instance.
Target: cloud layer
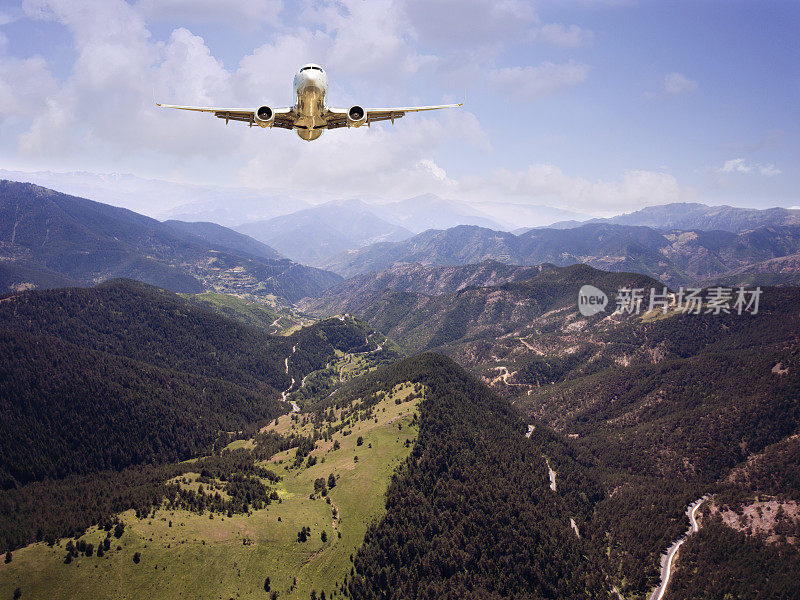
(101, 115)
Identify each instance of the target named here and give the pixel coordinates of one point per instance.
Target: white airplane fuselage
(310, 87)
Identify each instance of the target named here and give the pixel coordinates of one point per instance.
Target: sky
(596, 107)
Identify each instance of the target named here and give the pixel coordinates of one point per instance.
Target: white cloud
(368, 39)
(559, 35)
(769, 170)
(241, 12)
(530, 83)
(486, 25)
(548, 184)
(740, 165)
(676, 84)
(24, 85)
(383, 161)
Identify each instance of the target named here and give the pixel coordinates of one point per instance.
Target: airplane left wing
(337, 117)
(284, 117)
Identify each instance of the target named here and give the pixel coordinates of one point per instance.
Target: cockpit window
(306, 68)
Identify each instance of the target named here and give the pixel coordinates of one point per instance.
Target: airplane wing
(284, 117)
(337, 117)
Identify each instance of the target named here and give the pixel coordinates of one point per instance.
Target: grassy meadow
(189, 555)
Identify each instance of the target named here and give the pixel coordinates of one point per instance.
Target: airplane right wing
(337, 117)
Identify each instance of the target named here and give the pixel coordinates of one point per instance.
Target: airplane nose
(311, 79)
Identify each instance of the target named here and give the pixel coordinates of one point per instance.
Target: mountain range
(694, 216)
(48, 238)
(162, 199)
(432, 281)
(676, 257)
(315, 235)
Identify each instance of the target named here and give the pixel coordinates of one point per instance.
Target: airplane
(309, 116)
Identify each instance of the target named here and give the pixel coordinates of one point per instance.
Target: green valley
(211, 555)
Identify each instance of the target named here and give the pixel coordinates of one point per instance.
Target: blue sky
(591, 106)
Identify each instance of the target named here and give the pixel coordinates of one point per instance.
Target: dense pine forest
(470, 513)
(95, 381)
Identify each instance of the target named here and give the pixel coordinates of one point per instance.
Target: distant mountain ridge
(45, 235)
(429, 211)
(676, 258)
(689, 216)
(313, 235)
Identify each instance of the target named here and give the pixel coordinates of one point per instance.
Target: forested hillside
(126, 374)
(421, 322)
(423, 279)
(700, 403)
(660, 408)
(470, 513)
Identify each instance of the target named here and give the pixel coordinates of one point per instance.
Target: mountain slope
(470, 513)
(465, 244)
(663, 410)
(89, 242)
(428, 280)
(107, 364)
(225, 238)
(313, 235)
(421, 322)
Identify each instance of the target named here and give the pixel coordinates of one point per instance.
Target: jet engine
(265, 116)
(356, 116)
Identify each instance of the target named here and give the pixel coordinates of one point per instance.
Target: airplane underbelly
(310, 107)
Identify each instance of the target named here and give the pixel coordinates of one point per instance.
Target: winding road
(668, 558)
(295, 408)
